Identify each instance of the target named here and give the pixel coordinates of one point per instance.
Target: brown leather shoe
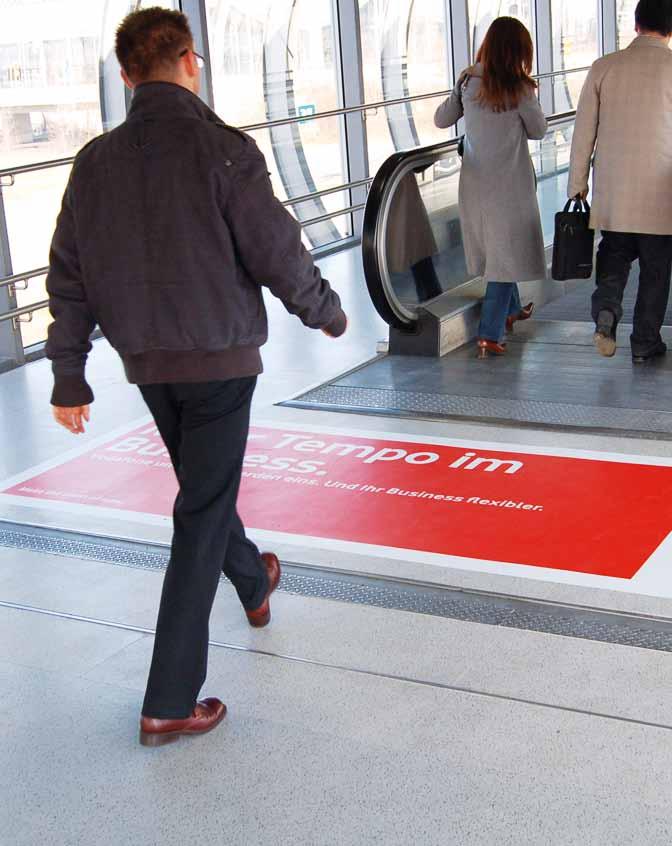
(486, 348)
(261, 616)
(524, 314)
(207, 714)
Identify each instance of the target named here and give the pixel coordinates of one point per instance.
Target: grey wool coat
(501, 225)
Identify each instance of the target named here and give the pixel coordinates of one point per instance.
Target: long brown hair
(506, 56)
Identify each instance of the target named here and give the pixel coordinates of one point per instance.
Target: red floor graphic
(600, 517)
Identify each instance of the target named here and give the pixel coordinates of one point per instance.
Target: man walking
(625, 113)
(168, 229)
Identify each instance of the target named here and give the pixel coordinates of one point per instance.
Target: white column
(545, 54)
(609, 25)
(356, 146)
(195, 11)
(458, 12)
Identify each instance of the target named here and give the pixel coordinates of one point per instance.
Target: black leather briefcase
(573, 243)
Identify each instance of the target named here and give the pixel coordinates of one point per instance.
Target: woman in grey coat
(501, 226)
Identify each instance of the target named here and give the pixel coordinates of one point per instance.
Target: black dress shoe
(657, 352)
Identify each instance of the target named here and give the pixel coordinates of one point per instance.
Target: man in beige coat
(625, 115)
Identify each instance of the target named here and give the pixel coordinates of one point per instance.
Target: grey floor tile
(80, 586)
(50, 643)
(315, 756)
(575, 673)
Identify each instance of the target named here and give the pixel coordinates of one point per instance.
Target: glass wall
(274, 59)
(483, 12)
(270, 61)
(576, 44)
(406, 51)
(52, 101)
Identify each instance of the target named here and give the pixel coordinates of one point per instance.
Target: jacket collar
(166, 99)
(649, 41)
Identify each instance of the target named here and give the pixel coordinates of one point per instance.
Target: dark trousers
(204, 427)
(615, 256)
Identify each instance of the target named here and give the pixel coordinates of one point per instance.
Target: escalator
(415, 269)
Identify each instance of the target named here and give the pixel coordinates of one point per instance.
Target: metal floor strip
(360, 671)
(551, 415)
(644, 632)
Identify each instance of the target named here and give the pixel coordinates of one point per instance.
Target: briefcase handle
(579, 204)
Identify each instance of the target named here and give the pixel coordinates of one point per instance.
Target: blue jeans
(502, 299)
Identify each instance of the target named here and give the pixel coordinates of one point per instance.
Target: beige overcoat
(625, 116)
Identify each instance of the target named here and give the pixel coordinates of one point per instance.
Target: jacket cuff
(71, 392)
(338, 325)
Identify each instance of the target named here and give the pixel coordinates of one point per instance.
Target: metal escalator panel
(412, 241)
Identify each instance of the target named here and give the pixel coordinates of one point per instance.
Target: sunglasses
(200, 61)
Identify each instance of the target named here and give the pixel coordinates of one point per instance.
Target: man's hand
(72, 419)
(341, 329)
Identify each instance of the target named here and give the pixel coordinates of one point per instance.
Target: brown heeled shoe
(524, 314)
(486, 348)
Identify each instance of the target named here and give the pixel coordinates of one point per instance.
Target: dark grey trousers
(616, 253)
(204, 427)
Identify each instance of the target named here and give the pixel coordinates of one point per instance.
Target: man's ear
(190, 64)
(127, 81)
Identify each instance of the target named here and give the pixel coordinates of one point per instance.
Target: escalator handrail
(393, 312)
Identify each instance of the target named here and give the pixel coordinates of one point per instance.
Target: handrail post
(11, 345)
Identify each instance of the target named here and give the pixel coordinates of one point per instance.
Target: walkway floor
(348, 724)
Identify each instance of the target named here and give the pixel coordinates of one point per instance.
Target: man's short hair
(654, 16)
(149, 42)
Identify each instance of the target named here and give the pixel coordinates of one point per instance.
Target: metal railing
(13, 281)
(17, 313)
(288, 121)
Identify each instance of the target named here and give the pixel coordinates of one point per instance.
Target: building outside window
(576, 44)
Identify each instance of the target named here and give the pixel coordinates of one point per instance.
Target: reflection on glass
(405, 51)
(551, 163)
(483, 12)
(423, 239)
(273, 59)
(625, 25)
(51, 54)
(575, 45)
